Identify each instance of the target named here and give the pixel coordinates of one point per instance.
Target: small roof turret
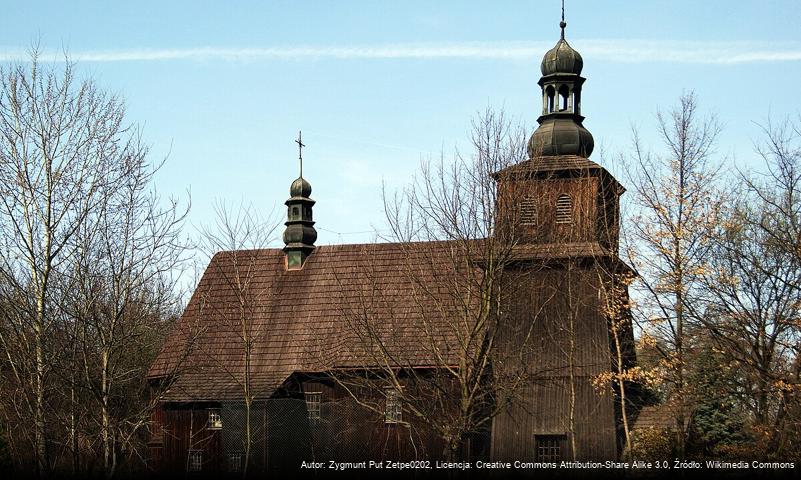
(299, 235)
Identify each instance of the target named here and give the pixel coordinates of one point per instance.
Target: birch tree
(235, 236)
(62, 142)
(87, 254)
(130, 252)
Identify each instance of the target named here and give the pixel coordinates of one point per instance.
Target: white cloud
(629, 51)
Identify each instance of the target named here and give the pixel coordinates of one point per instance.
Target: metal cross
(299, 141)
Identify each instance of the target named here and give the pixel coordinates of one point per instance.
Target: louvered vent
(564, 209)
(528, 211)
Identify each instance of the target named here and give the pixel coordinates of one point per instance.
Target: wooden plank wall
(554, 299)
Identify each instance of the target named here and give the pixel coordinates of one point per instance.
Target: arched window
(564, 94)
(528, 211)
(550, 93)
(564, 209)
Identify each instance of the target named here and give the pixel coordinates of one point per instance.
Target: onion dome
(300, 188)
(562, 58)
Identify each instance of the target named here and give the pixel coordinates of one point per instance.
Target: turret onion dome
(300, 188)
(562, 58)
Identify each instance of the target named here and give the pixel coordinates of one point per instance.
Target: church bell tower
(559, 212)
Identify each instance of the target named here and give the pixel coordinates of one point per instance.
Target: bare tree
(670, 235)
(62, 144)
(449, 227)
(779, 190)
(753, 285)
(234, 240)
(124, 281)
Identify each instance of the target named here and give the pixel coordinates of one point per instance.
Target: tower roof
(300, 188)
(562, 58)
(560, 130)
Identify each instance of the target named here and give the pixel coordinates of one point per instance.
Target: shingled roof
(308, 320)
(551, 165)
(316, 319)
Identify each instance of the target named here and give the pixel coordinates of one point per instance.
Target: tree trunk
(74, 430)
(622, 390)
(42, 466)
(105, 434)
(39, 415)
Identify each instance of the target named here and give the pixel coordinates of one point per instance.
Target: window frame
(231, 456)
(550, 447)
(314, 400)
(393, 406)
(194, 460)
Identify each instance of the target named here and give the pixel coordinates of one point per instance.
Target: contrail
(624, 51)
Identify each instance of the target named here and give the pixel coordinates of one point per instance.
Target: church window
(564, 209)
(235, 462)
(528, 211)
(195, 461)
(156, 431)
(313, 405)
(215, 421)
(550, 448)
(393, 411)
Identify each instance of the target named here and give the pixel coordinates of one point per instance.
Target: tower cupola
(299, 235)
(560, 130)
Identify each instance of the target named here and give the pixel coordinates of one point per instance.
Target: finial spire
(563, 24)
(299, 141)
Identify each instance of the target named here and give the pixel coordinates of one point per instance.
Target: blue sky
(223, 87)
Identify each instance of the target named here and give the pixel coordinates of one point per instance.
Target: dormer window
(528, 211)
(564, 209)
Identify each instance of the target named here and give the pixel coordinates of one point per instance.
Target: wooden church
(370, 352)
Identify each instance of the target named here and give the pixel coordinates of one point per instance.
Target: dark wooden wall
(563, 307)
(595, 208)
